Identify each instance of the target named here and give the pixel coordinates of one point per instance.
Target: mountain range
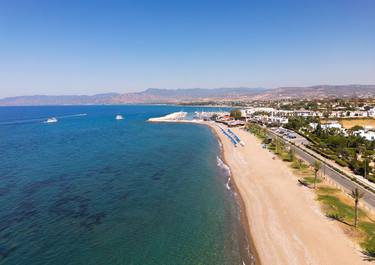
(176, 96)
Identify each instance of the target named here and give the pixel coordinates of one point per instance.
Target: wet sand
(284, 219)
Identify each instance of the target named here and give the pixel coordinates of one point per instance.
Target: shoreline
(283, 221)
(252, 253)
(254, 258)
(268, 190)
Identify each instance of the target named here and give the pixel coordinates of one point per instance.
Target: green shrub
(369, 243)
(335, 216)
(310, 180)
(341, 162)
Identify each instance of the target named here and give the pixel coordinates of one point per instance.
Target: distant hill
(151, 95)
(156, 95)
(202, 92)
(58, 100)
(320, 91)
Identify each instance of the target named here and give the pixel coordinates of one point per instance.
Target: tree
(299, 163)
(279, 147)
(291, 155)
(356, 128)
(317, 166)
(236, 113)
(356, 194)
(318, 130)
(367, 108)
(365, 164)
(296, 123)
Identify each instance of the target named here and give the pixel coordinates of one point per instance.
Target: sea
(94, 190)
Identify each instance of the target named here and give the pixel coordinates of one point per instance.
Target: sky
(88, 47)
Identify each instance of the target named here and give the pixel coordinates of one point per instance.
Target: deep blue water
(93, 190)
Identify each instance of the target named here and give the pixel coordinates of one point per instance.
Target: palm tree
(317, 166)
(299, 163)
(356, 194)
(291, 155)
(279, 147)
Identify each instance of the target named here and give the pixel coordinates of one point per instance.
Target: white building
(332, 125)
(348, 114)
(368, 135)
(251, 111)
(371, 112)
(313, 125)
(280, 120)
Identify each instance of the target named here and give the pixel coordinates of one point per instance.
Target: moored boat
(119, 117)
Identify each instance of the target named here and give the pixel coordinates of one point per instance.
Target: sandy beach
(285, 221)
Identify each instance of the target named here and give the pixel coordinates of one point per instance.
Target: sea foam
(226, 168)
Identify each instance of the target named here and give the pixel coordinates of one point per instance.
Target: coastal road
(346, 183)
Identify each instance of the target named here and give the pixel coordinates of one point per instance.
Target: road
(347, 184)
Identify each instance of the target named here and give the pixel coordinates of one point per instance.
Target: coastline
(284, 221)
(253, 255)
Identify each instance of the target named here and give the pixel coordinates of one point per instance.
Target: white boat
(51, 120)
(119, 117)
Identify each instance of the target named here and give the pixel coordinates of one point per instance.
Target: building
(348, 114)
(367, 134)
(307, 113)
(333, 125)
(371, 112)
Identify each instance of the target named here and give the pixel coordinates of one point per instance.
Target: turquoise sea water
(93, 190)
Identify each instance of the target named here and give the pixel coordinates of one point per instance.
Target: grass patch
(296, 164)
(305, 167)
(342, 212)
(300, 165)
(371, 178)
(334, 206)
(286, 157)
(310, 180)
(278, 151)
(329, 197)
(271, 147)
(369, 242)
(326, 189)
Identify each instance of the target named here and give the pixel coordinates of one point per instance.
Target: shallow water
(93, 190)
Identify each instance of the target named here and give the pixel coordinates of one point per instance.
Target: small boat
(51, 120)
(119, 117)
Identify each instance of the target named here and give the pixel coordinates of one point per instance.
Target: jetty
(176, 116)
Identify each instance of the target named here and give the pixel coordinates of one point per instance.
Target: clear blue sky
(87, 47)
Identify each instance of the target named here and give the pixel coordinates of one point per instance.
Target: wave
(247, 255)
(21, 121)
(222, 165)
(73, 115)
(227, 184)
(40, 119)
(225, 167)
(220, 144)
